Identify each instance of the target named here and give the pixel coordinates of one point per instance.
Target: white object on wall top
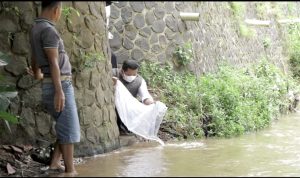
(188, 16)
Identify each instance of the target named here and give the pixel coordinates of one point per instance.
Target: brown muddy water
(274, 151)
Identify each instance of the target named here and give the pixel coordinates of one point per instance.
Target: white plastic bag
(143, 120)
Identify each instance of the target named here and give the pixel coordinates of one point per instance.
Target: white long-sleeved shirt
(143, 92)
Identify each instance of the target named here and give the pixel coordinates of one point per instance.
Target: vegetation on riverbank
(227, 103)
(293, 44)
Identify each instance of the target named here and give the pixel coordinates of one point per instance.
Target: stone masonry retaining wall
(145, 30)
(84, 36)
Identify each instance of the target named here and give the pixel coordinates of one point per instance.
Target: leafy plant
(262, 9)
(6, 92)
(227, 103)
(293, 44)
(89, 60)
(245, 31)
(14, 9)
(184, 54)
(266, 42)
(66, 11)
(238, 8)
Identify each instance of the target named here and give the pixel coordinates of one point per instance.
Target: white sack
(143, 120)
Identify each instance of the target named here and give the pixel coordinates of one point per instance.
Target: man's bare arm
(59, 98)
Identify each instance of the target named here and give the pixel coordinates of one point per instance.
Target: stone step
(127, 140)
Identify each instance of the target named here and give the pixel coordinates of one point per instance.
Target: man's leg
(56, 158)
(67, 153)
(121, 125)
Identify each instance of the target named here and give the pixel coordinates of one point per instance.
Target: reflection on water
(271, 152)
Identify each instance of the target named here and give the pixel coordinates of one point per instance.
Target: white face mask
(128, 78)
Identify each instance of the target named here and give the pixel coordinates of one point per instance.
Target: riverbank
(28, 161)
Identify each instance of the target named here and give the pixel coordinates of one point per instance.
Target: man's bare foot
(68, 174)
(57, 167)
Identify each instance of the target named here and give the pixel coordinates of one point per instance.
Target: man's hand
(148, 101)
(34, 70)
(29, 71)
(59, 100)
(115, 80)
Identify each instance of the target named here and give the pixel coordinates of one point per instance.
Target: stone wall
(85, 39)
(151, 31)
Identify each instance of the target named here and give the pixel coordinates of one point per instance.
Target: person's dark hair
(130, 64)
(49, 4)
(108, 3)
(114, 61)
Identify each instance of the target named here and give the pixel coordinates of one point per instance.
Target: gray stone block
(170, 50)
(86, 39)
(130, 32)
(127, 44)
(126, 14)
(27, 19)
(156, 49)
(122, 55)
(75, 23)
(115, 43)
(178, 39)
(149, 17)
(170, 7)
(137, 6)
(159, 12)
(26, 82)
(94, 24)
(158, 26)
(171, 23)
(142, 43)
(139, 21)
(150, 4)
(169, 34)
(43, 123)
(5, 41)
(145, 32)
(153, 38)
(162, 41)
(95, 9)
(82, 7)
(161, 57)
(17, 65)
(120, 4)
(137, 54)
(119, 25)
(181, 26)
(114, 12)
(179, 6)
(11, 22)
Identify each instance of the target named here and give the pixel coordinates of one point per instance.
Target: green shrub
(184, 54)
(294, 49)
(5, 93)
(227, 103)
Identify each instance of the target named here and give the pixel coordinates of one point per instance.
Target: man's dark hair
(49, 4)
(130, 64)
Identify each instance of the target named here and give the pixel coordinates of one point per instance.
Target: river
(274, 151)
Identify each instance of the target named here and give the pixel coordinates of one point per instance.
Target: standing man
(50, 63)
